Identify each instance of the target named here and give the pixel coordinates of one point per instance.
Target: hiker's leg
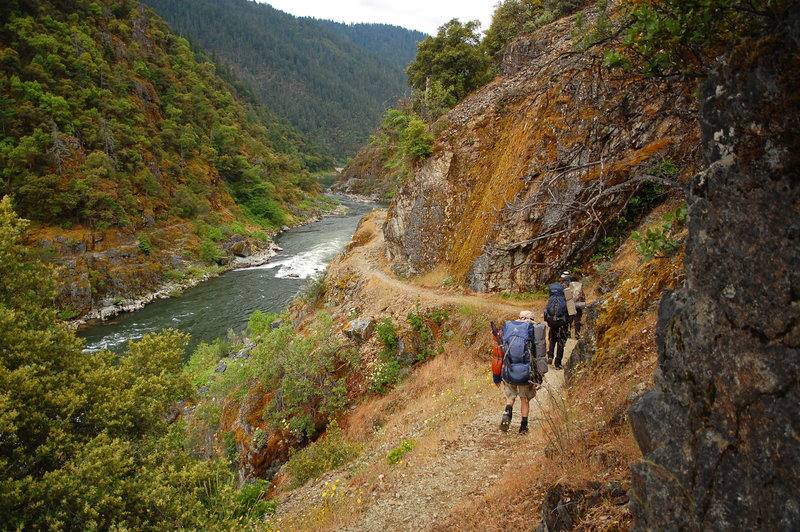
(524, 401)
(511, 395)
(561, 338)
(578, 317)
(551, 345)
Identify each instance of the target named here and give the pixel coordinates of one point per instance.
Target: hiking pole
(496, 333)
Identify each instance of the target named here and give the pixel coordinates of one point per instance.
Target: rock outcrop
(536, 167)
(719, 432)
(366, 176)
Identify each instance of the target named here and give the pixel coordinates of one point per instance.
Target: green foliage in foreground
(84, 439)
(396, 455)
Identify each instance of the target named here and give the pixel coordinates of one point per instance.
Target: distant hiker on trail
(580, 302)
(557, 318)
(523, 365)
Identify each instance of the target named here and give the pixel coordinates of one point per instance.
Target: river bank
(215, 301)
(112, 307)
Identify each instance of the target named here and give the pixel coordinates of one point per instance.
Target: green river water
(210, 309)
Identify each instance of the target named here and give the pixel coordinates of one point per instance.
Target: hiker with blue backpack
(558, 319)
(521, 342)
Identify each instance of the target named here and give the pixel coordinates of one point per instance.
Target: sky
(422, 15)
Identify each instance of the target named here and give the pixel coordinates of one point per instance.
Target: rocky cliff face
(719, 432)
(536, 166)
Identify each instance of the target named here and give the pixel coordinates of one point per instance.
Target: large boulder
(360, 329)
(720, 431)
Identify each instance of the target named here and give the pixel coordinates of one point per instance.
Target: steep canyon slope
(535, 168)
(124, 148)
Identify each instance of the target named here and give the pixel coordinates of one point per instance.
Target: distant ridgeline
(332, 81)
(108, 119)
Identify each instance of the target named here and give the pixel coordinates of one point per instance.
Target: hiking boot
(559, 366)
(523, 430)
(506, 421)
(549, 360)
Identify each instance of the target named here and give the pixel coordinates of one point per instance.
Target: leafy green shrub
(195, 272)
(670, 37)
(268, 209)
(416, 140)
(386, 375)
(387, 334)
(303, 371)
(313, 291)
(252, 500)
(422, 324)
(605, 249)
(260, 323)
(260, 438)
(68, 313)
(646, 198)
(209, 252)
(237, 228)
(453, 57)
(202, 362)
(92, 445)
(329, 452)
(396, 455)
(145, 245)
(664, 241)
(231, 452)
(513, 18)
(174, 276)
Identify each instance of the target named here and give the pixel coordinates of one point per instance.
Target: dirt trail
(470, 461)
(466, 452)
(369, 259)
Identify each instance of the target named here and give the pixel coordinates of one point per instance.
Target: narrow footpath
(470, 461)
(459, 453)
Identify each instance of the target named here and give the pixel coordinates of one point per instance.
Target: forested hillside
(321, 78)
(125, 148)
(396, 44)
(109, 120)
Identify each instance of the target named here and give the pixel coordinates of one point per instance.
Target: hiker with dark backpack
(557, 318)
(522, 368)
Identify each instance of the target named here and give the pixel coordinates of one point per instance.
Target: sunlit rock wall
(533, 169)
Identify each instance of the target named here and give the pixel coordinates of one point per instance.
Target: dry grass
(414, 399)
(433, 278)
(429, 403)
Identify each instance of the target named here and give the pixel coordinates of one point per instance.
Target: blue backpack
(555, 314)
(517, 341)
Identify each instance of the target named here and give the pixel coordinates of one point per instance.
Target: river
(224, 303)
